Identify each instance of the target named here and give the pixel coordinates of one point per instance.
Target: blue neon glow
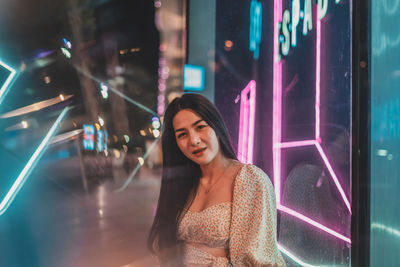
(105, 139)
(100, 141)
(23, 176)
(255, 27)
(7, 84)
(88, 137)
(193, 78)
(67, 43)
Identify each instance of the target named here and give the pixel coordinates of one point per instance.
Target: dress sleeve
(252, 240)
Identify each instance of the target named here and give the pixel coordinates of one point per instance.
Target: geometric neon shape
(293, 257)
(247, 123)
(278, 145)
(22, 177)
(6, 85)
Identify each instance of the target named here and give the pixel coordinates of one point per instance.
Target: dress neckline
(224, 202)
(209, 207)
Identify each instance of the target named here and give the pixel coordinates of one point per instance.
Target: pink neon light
(277, 125)
(333, 175)
(314, 223)
(318, 83)
(295, 144)
(277, 98)
(247, 123)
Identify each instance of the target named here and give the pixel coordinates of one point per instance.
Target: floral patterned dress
(246, 226)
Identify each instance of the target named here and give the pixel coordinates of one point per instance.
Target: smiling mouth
(199, 151)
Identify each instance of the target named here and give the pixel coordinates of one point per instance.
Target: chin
(203, 161)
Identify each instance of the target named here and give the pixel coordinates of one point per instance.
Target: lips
(199, 151)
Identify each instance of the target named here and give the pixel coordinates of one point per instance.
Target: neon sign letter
(295, 20)
(255, 27)
(322, 8)
(307, 23)
(286, 33)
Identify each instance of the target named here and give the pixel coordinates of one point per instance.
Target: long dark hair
(180, 176)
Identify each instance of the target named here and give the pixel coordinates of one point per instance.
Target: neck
(214, 169)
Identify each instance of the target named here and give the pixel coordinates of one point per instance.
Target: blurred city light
(101, 121)
(156, 124)
(126, 137)
(156, 133)
(141, 161)
(47, 79)
(193, 77)
(35, 106)
(101, 141)
(88, 137)
(67, 43)
(125, 148)
(66, 136)
(117, 154)
(228, 43)
(65, 52)
(104, 90)
(24, 124)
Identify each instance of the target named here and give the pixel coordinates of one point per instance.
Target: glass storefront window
(385, 134)
(282, 72)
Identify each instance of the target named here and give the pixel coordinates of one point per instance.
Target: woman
(212, 210)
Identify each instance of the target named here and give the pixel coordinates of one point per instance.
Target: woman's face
(195, 138)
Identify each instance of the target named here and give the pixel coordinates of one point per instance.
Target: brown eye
(180, 135)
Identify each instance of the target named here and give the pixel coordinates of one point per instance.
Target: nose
(194, 139)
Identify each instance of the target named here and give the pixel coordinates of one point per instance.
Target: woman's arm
(253, 227)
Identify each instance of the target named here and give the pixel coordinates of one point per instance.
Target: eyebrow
(194, 124)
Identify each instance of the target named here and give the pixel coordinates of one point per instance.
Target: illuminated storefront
(308, 91)
(282, 75)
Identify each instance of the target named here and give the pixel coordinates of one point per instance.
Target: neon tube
(295, 144)
(247, 123)
(252, 116)
(277, 125)
(277, 100)
(293, 257)
(23, 176)
(313, 223)
(333, 175)
(6, 85)
(318, 83)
